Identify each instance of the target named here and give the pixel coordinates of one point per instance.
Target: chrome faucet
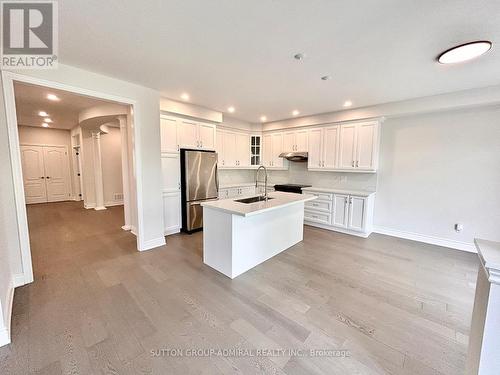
(265, 180)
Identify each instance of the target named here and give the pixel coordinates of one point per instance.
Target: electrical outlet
(459, 227)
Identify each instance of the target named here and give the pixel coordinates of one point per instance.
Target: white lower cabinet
(236, 191)
(342, 212)
(172, 213)
(171, 186)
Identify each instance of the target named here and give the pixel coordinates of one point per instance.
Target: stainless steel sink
(252, 199)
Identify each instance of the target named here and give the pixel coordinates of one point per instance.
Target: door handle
(353, 163)
(357, 163)
(47, 177)
(42, 177)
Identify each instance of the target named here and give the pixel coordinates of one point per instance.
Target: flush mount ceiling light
(299, 56)
(347, 103)
(185, 96)
(45, 125)
(53, 97)
(231, 109)
(43, 113)
(263, 118)
(48, 120)
(295, 113)
(464, 52)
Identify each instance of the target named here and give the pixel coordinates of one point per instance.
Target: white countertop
(489, 254)
(360, 193)
(280, 199)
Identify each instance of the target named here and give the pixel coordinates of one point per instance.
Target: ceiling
(31, 99)
(240, 53)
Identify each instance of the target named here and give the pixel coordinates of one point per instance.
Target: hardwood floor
(97, 306)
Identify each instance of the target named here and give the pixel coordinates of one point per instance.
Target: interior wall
(440, 169)
(48, 136)
(111, 162)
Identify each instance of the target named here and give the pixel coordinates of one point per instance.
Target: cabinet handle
(201, 144)
(350, 200)
(42, 177)
(178, 148)
(345, 200)
(353, 163)
(357, 163)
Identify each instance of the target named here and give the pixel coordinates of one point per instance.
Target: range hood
(294, 156)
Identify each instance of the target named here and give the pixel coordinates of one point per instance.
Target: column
(125, 172)
(99, 188)
(484, 342)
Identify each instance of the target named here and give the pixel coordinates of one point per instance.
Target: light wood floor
(99, 307)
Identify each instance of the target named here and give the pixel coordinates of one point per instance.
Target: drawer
(318, 205)
(321, 196)
(318, 217)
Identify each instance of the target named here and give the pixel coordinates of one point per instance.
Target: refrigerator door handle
(217, 179)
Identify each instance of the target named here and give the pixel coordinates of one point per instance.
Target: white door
(57, 177)
(314, 159)
(347, 146)
(288, 142)
(188, 134)
(171, 171)
(168, 131)
(301, 143)
(229, 149)
(35, 189)
(243, 150)
(330, 141)
(365, 146)
(277, 149)
(356, 213)
(267, 155)
(340, 210)
(172, 212)
(206, 134)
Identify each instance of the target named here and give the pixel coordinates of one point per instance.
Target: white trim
(127, 227)
(89, 206)
(18, 280)
(152, 244)
(113, 203)
(5, 330)
(172, 230)
(99, 208)
(337, 229)
(439, 241)
(8, 79)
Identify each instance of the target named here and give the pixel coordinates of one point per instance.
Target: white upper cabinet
(330, 146)
(315, 148)
(196, 135)
(289, 141)
(234, 149)
(359, 146)
(294, 141)
(242, 150)
(169, 138)
(301, 143)
(267, 155)
(273, 147)
(323, 145)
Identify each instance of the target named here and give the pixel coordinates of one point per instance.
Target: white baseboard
(133, 230)
(151, 244)
(336, 229)
(18, 280)
(100, 208)
(172, 230)
(89, 205)
(127, 227)
(458, 245)
(6, 321)
(113, 203)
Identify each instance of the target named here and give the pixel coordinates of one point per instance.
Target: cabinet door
(229, 140)
(55, 159)
(315, 146)
(171, 172)
(219, 148)
(289, 142)
(168, 131)
(356, 213)
(347, 146)
(172, 213)
(277, 149)
(301, 143)
(330, 141)
(366, 139)
(35, 189)
(188, 134)
(206, 136)
(243, 150)
(267, 155)
(340, 210)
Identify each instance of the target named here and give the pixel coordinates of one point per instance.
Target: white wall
(440, 169)
(48, 136)
(111, 161)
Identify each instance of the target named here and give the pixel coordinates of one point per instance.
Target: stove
(291, 188)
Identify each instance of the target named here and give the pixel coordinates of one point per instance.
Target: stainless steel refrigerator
(198, 184)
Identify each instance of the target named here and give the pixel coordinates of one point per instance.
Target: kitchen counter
(239, 236)
(279, 199)
(359, 193)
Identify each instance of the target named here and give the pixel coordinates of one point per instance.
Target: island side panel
(259, 237)
(217, 240)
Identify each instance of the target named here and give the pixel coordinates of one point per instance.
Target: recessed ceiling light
(326, 78)
(47, 120)
(347, 103)
(231, 109)
(42, 113)
(299, 56)
(185, 96)
(53, 97)
(464, 52)
(263, 118)
(45, 125)
(295, 112)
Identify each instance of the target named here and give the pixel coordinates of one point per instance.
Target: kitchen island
(238, 236)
